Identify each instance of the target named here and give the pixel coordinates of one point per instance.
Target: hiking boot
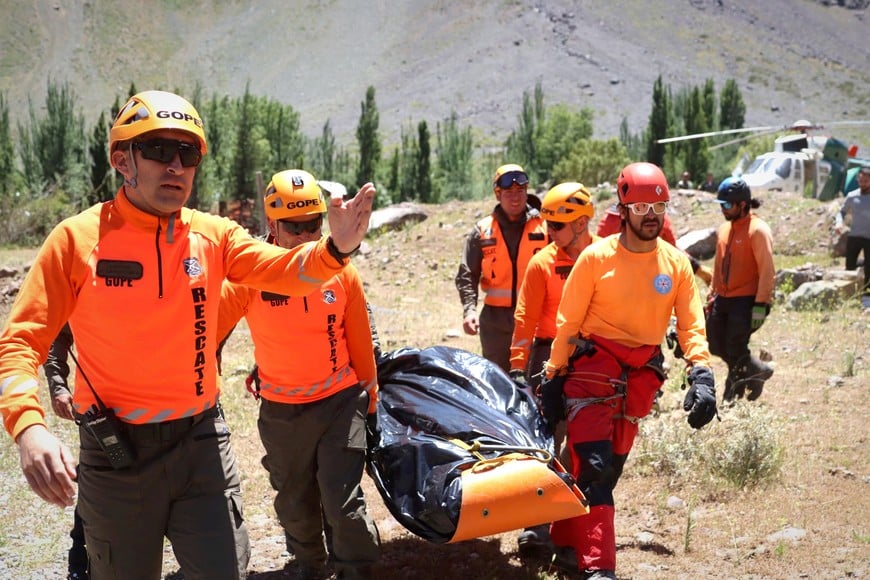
(77, 575)
(535, 541)
(565, 558)
(754, 388)
(599, 575)
(755, 369)
(728, 394)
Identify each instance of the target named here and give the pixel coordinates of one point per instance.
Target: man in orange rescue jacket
(317, 387)
(139, 279)
(496, 254)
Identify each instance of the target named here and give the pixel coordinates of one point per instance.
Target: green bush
(745, 449)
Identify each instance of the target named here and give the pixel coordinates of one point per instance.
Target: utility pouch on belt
(109, 432)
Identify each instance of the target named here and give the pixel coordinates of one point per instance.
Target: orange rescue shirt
(538, 301)
(744, 260)
(628, 297)
(141, 294)
(310, 347)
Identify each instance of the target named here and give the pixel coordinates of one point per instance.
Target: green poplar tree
(368, 139)
(659, 123)
(425, 192)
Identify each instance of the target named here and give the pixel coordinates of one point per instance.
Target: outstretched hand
(48, 465)
(349, 220)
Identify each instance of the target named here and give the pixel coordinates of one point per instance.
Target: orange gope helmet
(153, 110)
(293, 193)
(642, 182)
(567, 202)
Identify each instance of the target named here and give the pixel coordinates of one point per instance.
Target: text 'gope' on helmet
(567, 202)
(293, 193)
(642, 182)
(154, 110)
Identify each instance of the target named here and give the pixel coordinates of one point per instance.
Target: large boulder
(397, 216)
(822, 294)
(700, 244)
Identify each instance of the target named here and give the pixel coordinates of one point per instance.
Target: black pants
(729, 327)
(855, 246)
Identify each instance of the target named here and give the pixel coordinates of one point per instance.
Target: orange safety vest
(500, 276)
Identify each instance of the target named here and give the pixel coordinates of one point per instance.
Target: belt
(169, 430)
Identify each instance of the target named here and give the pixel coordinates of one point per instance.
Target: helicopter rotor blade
(715, 133)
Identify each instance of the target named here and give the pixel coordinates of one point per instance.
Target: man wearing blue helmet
(742, 289)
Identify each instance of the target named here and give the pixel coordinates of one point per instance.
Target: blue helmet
(733, 189)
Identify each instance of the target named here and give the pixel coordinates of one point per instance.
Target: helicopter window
(754, 167)
(784, 168)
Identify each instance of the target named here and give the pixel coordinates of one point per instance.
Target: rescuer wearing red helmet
(605, 364)
(139, 279)
(317, 385)
(495, 257)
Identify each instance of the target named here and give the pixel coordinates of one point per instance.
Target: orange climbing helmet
(567, 202)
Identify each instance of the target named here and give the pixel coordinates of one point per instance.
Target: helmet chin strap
(132, 182)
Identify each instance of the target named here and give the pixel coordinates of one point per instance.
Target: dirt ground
(811, 521)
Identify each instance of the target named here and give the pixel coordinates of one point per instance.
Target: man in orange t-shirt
(605, 364)
(743, 282)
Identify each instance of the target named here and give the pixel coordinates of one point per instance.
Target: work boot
(752, 372)
(535, 541)
(599, 575)
(728, 393)
(565, 558)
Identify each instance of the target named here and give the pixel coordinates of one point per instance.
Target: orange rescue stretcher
(463, 452)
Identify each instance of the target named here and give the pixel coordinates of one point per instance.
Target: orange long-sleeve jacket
(538, 300)
(744, 259)
(629, 297)
(309, 347)
(141, 294)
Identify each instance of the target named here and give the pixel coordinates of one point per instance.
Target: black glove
(552, 402)
(518, 376)
(674, 344)
(373, 431)
(700, 401)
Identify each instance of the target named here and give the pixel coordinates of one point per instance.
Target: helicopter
(821, 167)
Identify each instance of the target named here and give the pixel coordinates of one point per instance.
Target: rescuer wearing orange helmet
(605, 365)
(317, 388)
(139, 279)
(494, 260)
(567, 209)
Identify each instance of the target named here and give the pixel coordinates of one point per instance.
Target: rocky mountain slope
(793, 58)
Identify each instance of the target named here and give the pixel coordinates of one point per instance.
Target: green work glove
(759, 312)
(518, 376)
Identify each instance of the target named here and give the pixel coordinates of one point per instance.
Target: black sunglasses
(298, 228)
(164, 151)
(511, 177)
(556, 226)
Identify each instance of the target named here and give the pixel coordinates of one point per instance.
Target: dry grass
(690, 523)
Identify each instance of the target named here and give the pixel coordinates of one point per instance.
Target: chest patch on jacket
(119, 272)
